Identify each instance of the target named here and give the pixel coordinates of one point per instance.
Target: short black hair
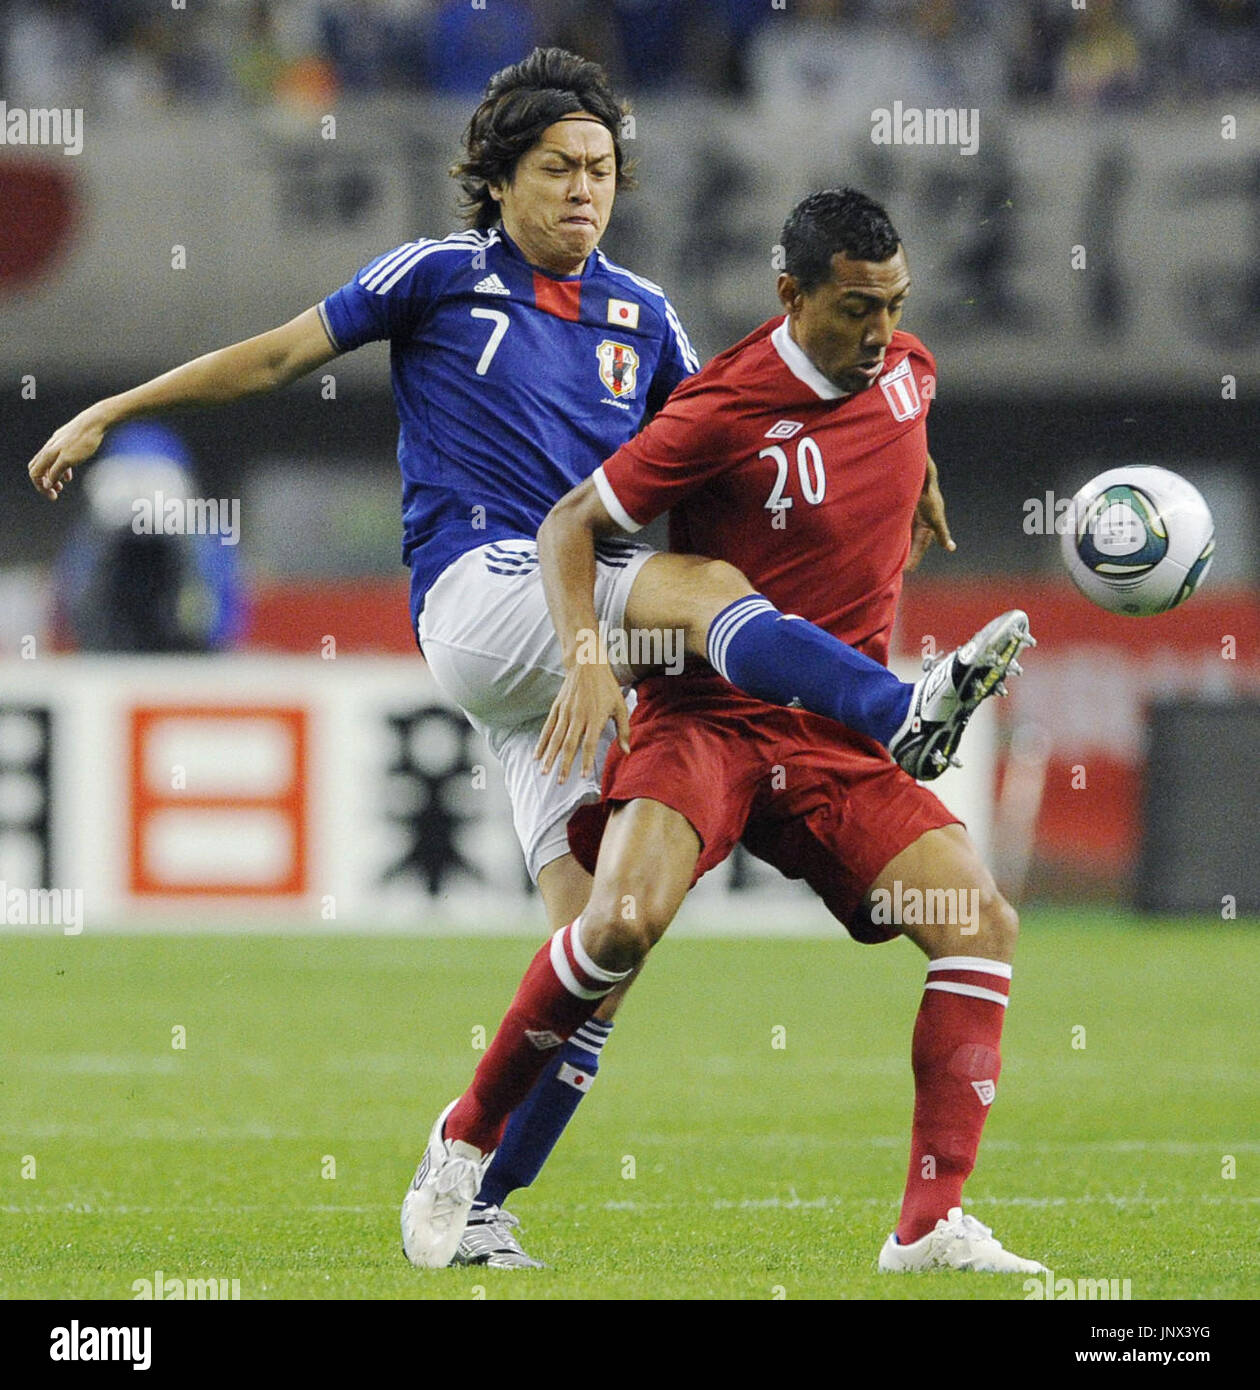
(520, 102)
(829, 222)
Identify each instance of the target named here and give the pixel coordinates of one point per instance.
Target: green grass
(755, 1168)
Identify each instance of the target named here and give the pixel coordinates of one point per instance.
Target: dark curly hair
(521, 101)
(829, 222)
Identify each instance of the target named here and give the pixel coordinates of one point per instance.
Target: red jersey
(809, 491)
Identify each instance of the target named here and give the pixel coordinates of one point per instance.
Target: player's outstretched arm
(590, 695)
(262, 363)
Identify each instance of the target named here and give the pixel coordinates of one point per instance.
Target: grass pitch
(275, 1145)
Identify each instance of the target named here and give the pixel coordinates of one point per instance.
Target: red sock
(561, 990)
(956, 1066)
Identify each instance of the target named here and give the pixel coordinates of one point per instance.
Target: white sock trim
(564, 971)
(560, 964)
(591, 1040)
(972, 991)
(978, 964)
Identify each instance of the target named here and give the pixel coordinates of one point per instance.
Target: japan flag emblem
(624, 312)
(901, 391)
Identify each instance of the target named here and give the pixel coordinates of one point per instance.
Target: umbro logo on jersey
(491, 285)
(785, 429)
(543, 1038)
(986, 1090)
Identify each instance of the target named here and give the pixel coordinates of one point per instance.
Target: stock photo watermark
(161, 515)
(1047, 1287)
(642, 648)
(43, 907)
(76, 1342)
(900, 906)
(42, 126)
(170, 1288)
(957, 126)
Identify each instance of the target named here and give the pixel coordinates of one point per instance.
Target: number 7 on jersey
(500, 321)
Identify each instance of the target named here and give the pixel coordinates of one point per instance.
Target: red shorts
(807, 795)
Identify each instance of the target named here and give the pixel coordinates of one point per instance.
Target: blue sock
(539, 1120)
(781, 660)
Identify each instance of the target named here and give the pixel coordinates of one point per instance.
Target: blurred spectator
(587, 27)
(742, 20)
(358, 38)
(120, 589)
(195, 57)
(468, 46)
(850, 57)
(1102, 59)
(125, 54)
(955, 54)
(135, 72)
(257, 61)
(1038, 49)
(1220, 42)
(664, 43)
(49, 52)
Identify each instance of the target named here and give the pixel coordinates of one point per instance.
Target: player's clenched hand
(588, 699)
(929, 520)
(74, 443)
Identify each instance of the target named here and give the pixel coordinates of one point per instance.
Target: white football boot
(490, 1239)
(441, 1195)
(958, 1242)
(952, 690)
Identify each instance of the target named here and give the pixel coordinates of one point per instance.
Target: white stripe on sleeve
(328, 328)
(612, 503)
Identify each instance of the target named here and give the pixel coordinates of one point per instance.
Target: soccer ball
(1138, 540)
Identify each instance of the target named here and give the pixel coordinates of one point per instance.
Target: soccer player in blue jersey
(521, 357)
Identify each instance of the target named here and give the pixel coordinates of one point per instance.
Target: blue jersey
(512, 385)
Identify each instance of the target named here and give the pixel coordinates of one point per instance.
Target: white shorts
(488, 638)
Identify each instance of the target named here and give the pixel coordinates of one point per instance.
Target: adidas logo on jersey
(491, 285)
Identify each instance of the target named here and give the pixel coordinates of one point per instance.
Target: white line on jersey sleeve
(323, 318)
(386, 274)
(671, 315)
(612, 502)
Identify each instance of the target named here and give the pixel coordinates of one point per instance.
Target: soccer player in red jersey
(799, 455)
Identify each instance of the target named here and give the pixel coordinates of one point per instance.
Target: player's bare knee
(998, 926)
(713, 585)
(620, 928)
(614, 943)
(720, 582)
(651, 911)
